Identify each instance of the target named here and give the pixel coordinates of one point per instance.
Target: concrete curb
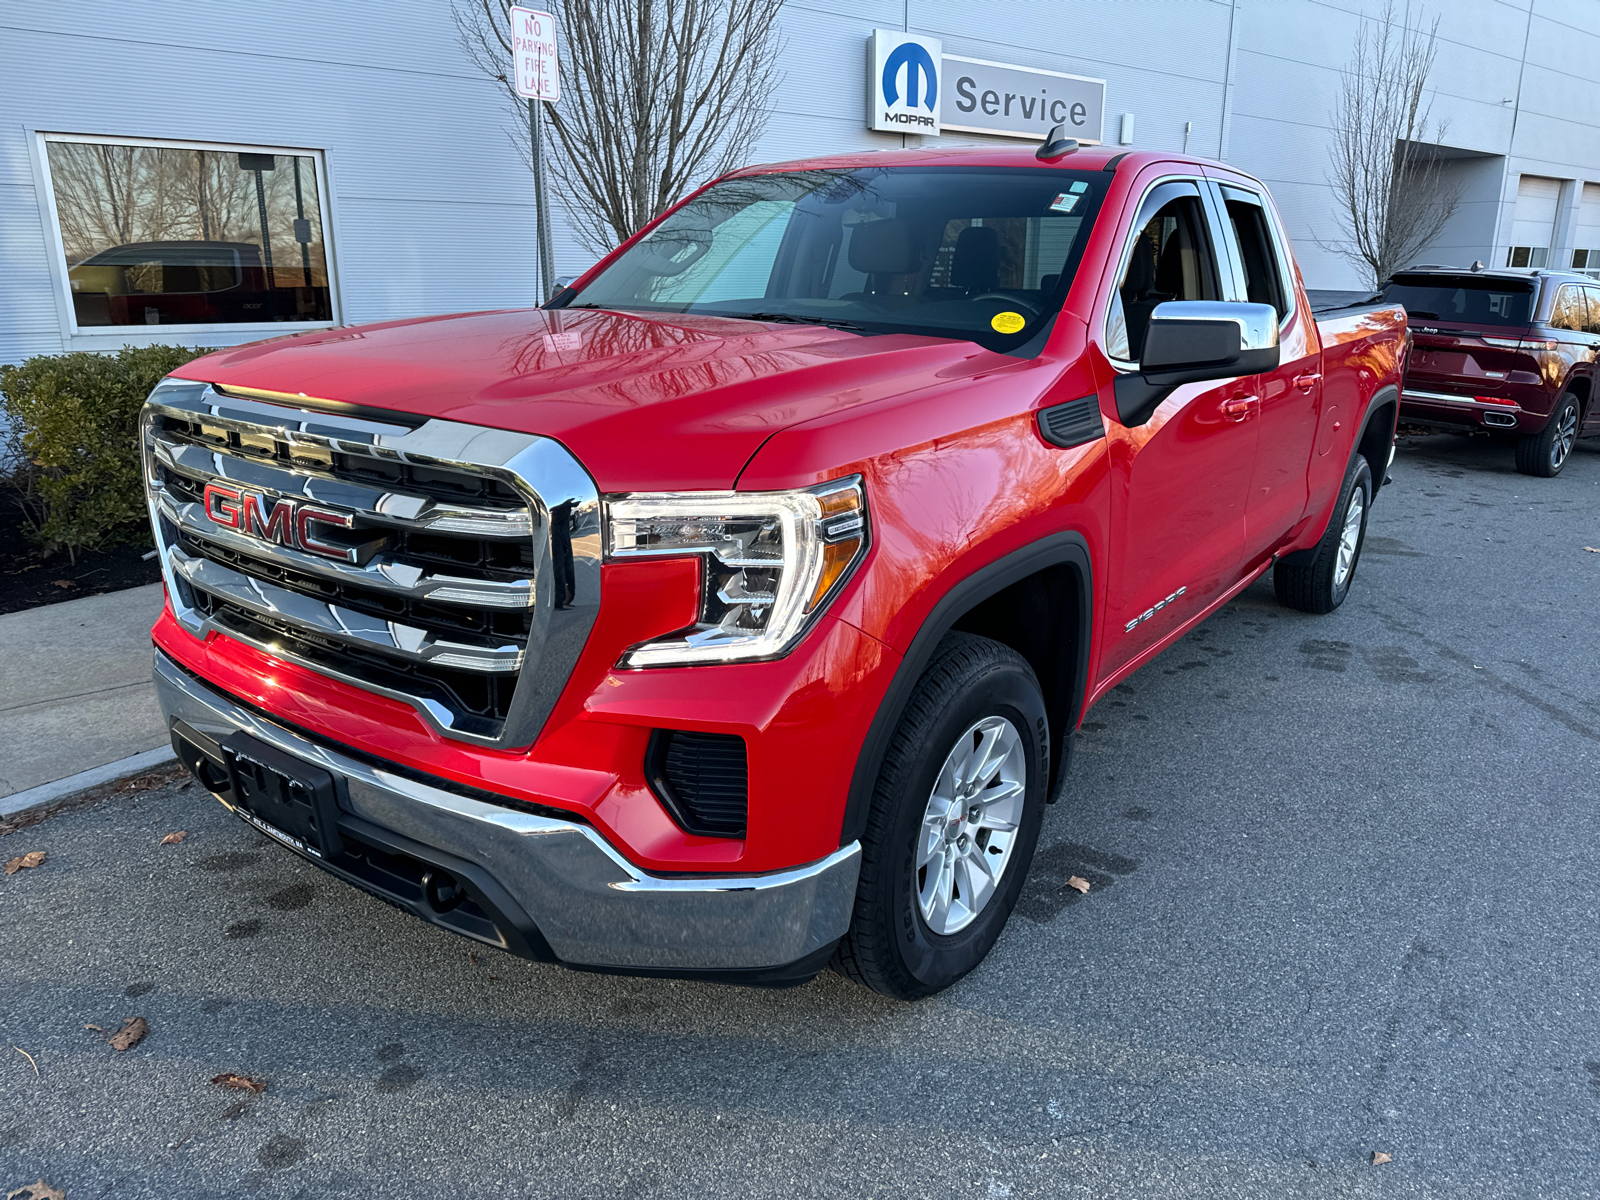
(61, 789)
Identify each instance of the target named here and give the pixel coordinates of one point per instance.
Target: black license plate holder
(284, 796)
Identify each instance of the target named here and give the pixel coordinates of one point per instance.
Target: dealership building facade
(205, 175)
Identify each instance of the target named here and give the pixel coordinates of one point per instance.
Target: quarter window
(1171, 259)
(1569, 311)
(171, 235)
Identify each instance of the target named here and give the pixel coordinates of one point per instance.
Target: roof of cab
(1085, 158)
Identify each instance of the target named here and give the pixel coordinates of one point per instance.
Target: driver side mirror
(1192, 341)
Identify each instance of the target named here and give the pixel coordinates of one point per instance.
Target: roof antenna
(1477, 264)
(1056, 144)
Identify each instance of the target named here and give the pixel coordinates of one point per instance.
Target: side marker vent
(1073, 423)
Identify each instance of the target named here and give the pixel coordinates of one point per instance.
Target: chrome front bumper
(592, 907)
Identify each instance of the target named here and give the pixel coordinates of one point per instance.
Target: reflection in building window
(1528, 256)
(162, 235)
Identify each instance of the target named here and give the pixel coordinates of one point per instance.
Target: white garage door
(1586, 243)
(1533, 225)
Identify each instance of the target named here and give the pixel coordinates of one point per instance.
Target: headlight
(772, 561)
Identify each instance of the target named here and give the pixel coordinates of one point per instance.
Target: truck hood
(647, 402)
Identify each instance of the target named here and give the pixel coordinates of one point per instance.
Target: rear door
(1592, 416)
(1179, 480)
(1569, 329)
(1285, 402)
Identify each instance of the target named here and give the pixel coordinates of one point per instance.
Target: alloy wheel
(1566, 435)
(1350, 537)
(970, 825)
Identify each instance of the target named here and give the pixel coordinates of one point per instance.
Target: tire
(974, 691)
(1543, 454)
(1320, 585)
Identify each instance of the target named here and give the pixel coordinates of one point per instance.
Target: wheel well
(1036, 600)
(1040, 617)
(1579, 387)
(1376, 439)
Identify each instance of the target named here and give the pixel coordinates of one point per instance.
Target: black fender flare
(1069, 549)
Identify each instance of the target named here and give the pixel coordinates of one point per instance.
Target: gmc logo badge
(280, 521)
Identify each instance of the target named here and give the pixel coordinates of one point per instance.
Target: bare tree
(1394, 194)
(657, 96)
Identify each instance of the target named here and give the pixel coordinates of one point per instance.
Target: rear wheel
(1544, 453)
(954, 820)
(1320, 585)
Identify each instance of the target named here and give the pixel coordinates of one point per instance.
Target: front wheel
(1543, 454)
(1320, 585)
(954, 820)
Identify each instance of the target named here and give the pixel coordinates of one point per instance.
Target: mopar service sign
(990, 97)
(903, 92)
(912, 87)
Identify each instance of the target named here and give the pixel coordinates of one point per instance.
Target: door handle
(1239, 407)
(1307, 381)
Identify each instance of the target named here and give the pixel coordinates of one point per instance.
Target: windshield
(1468, 299)
(982, 253)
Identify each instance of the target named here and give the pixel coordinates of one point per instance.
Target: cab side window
(1592, 294)
(1570, 312)
(1171, 259)
(1263, 276)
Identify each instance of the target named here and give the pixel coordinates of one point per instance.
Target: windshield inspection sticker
(1007, 322)
(1064, 202)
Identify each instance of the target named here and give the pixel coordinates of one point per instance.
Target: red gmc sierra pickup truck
(732, 613)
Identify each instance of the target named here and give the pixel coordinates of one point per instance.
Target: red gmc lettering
(275, 526)
(307, 517)
(222, 505)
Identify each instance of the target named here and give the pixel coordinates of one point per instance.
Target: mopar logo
(903, 93)
(916, 62)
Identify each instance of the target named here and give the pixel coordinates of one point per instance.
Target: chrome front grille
(453, 566)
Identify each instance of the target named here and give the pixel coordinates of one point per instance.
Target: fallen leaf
(243, 1082)
(62, 583)
(96, 1028)
(172, 839)
(37, 1191)
(25, 862)
(1378, 1156)
(130, 1035)
(1592, 549)
(1078, 884)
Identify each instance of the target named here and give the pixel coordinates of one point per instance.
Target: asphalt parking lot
(1345, 885)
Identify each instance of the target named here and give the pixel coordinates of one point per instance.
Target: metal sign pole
(541, 197)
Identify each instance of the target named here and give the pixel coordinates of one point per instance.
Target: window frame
(1280, 250)
(105, 336)
(1142, 213)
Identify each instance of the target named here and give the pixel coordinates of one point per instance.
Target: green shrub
(74, 434)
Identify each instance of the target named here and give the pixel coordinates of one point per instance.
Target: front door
(1179, 480)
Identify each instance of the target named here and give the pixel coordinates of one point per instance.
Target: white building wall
(431, 208)
(429, 205)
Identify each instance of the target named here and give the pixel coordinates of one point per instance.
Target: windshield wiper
(793, 319)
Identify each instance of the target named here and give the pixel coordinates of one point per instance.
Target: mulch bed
(29, 579)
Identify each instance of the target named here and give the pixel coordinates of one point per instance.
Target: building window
(1587, 261)
(169, 234)
(1528, 256)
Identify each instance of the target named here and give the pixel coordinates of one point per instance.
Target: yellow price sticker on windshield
(1007, 322)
